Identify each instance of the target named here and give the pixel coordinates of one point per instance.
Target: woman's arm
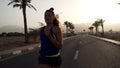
(58, 33)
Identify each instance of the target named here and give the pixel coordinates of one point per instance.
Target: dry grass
(114, 36)
(13, 42)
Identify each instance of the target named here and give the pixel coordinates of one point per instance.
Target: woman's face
(49, 17)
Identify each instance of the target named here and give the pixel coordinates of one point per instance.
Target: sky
(75, 11)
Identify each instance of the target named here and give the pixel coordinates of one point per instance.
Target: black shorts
(52, 61)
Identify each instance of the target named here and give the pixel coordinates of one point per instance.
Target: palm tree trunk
(25, 23)
(66, 30)
(92, 31)
(96, 30)
(102, 30)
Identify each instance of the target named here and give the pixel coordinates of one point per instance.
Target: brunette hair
(55, 21)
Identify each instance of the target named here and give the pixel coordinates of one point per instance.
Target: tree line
(96, 24)
(69, 28)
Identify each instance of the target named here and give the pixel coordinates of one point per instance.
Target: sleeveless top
(47, 47)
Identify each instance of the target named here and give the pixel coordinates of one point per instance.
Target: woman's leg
(58, 62)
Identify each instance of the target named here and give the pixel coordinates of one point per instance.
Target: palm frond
(11, 2)
(26, 1)
(14, 1)
(29, 5)
(17, 0)
(16, 5)
(29, 1)
(20, 7)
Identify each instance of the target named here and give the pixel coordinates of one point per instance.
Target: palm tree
(96, 24)
(91, 29)
(71, 26)
(111, 31)
(22, 4)
(101, 21)
(66, 23)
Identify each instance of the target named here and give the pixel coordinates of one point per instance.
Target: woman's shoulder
(42, 28)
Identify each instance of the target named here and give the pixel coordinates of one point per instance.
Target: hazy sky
(76, 11)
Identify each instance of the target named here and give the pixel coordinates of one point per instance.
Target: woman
(51, 42)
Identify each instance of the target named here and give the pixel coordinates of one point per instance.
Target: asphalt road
(26, 60)
(82, 51)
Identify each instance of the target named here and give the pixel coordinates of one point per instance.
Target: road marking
(76, 55)
(17, 52)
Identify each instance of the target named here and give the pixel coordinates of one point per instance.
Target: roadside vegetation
(15, 39)
(99, 23)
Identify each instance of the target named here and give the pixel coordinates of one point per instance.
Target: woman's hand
(58, 43)
(47, 32)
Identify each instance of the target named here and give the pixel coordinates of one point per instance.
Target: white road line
(76, 55)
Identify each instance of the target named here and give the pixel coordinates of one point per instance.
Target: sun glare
(106, 9)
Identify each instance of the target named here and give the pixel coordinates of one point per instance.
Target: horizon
(79, 27)
(75, 11)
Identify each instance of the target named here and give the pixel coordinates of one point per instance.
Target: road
(84, 51)
(26, 60)
(81, 51)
